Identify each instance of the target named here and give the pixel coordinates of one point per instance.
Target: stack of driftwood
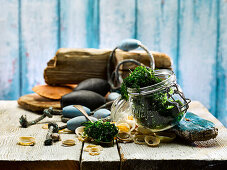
(72, 65)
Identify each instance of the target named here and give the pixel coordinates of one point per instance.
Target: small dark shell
(86, 98)
(97, 85)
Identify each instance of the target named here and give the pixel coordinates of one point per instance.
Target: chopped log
(71, 65)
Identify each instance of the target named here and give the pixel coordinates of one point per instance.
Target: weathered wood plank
(9, 53)
(39, 30)
(73, 24)
(221, 109)
(179, 155)
(197, 51)
(108, 159)
(157, 26)
(117, 19)
(71, 64)
(11, 131)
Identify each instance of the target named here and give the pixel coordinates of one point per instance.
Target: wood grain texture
(197, 51)
(34, 102)
(39, 29)
(9, 50)
(73, 65)
(11, 131)
(108, 159)
(73, 23)
(117, 20)
(221, 110)
(179, 155)
(157, 26)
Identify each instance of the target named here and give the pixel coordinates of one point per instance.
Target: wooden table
(208, 155)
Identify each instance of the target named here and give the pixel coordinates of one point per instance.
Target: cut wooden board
(179, 155)
(73, 65)
(36, 103)
(11, 131)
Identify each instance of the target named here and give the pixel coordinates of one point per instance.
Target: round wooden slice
(36, 103)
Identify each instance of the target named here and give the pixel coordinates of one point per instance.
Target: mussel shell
(71, 111)
(86, 98)
(97, 85)
(76, 122)
(101, 113)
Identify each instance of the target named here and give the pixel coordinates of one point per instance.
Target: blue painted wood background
(192, 32)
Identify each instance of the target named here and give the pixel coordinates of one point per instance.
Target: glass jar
(157, 107)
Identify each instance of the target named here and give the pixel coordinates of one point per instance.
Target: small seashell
(80, 130)
(125, 137)
(26, 141)
(101, 113)
(139, 139)
(52, 92)
(88, 147)
(94, 151)
(45, 126)
(165, 137)
(152, 140)
(68, 142)
(145, 131)
(131, 123)
(65, 131)
(123, 127)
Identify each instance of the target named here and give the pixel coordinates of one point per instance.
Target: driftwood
(71, 66)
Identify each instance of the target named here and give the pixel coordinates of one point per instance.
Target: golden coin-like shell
(26, 141)
(152, 141)
(69, 142)
(94, 151)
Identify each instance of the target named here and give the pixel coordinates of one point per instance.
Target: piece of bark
(36, 103)
(71, 65)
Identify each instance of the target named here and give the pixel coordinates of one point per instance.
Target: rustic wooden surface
(71, 64)
(177, 155)
(36, 103)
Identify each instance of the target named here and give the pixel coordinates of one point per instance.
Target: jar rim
(170, 80)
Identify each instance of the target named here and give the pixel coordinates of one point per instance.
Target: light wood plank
(117, 19)
(39, 30)
(221, 109)
(108, 159)
(11, 131)
(9, 53)
(197, 51)
(73, 23)
(179, 155)
(157, 26)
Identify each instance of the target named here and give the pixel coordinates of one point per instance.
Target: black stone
(86, 98)
(97, 85)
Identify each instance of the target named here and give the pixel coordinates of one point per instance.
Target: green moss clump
(140, 77)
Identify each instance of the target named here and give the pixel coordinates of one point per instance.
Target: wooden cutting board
(36, 103)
